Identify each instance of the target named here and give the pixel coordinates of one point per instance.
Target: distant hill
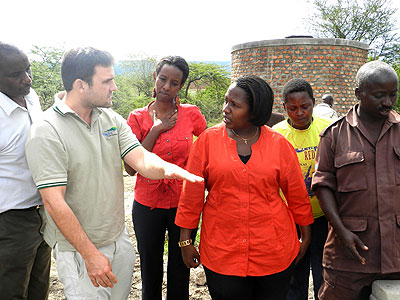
(225, 64)
(118, 69)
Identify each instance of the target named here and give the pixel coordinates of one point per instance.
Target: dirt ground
(197, 287)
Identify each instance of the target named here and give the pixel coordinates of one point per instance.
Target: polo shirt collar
(60, 107)
(8, 105)
(353, 119)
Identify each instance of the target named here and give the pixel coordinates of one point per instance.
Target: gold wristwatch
(184, 243)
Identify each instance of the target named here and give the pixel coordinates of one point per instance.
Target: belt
(36, 207)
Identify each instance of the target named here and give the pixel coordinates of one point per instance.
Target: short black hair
(80, 63)
(328, 99)
(297, 85)
(176, 61)
(260, 98)
(7, 50)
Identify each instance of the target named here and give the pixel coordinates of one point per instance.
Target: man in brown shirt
(357, 181)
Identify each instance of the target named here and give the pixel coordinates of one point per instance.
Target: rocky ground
(197, 289)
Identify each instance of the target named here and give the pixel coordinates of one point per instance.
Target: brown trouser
(24, 256)
(349, 285)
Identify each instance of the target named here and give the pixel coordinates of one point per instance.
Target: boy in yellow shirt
(302, 130)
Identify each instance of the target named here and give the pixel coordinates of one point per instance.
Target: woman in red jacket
(248, 243)
(166, 128)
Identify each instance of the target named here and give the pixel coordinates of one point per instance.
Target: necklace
(245, 140)
(298, 146)
(305, 132)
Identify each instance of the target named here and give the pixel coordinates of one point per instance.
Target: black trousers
(150, 227)
(269, 287)
(299, 282)
(24, 256)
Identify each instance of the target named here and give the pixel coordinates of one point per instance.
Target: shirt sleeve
(191, 201)
(292, 185)
(134, 121)
(46, 156)
(127, 139)
(325, 174)
(198, 120)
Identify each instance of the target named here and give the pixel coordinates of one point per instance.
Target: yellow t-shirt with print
(305, 142)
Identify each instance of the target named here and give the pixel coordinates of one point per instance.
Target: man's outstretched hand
(174, 172)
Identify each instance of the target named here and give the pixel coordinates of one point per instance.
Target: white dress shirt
(17, 189)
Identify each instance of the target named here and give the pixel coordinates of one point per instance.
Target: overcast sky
(202, 30)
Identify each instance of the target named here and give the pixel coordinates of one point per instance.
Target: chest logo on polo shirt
(110, 132)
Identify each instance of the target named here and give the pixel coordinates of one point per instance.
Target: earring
(154, 92)
(177, 101)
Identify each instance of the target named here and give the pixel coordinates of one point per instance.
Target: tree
(127, 98)
(396, 67)
(135, 83)
(203, 74)
(210, 101)
(370, 21)
(139, 69)
(46, 73)
(210, 82)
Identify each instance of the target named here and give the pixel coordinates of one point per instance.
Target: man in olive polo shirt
(75, 158)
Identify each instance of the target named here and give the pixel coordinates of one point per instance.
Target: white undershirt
(17, 189)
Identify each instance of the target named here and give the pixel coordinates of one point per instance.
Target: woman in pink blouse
(166, 128)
